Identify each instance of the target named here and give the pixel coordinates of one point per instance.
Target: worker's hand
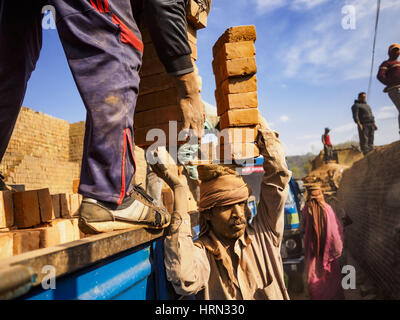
(376, 127)
(189, 101)
(360, 126)
(161, 170)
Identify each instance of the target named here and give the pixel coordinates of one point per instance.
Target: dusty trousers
(367, 136)
(103, 47)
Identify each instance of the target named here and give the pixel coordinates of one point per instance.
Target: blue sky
(310, 69)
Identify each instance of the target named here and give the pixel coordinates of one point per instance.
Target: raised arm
(187, 266)
(166, 21)
(274, 186)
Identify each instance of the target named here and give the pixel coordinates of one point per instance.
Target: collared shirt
(205, 268)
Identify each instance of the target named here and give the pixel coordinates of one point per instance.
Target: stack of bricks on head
(157, 103)
(235, 71)
(34, 219)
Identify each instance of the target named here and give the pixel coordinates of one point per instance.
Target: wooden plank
(70, 257)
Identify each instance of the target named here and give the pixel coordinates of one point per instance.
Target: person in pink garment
(323, 241)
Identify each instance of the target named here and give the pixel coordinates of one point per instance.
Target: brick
(49, 236)
(75, 185)
(192, 34)
(234, 68)
(74, 204)
(156, 83)
(239, 85)
(193, 47)
(158, 116)
(25, 241)
(235, 34)
(235, 101)
(55, 198)
(6, 209)
(45, 205)
(239, 118)
(66, 230)
(238, 135)
(65, 205)
(236, 50)
(26, 208)
(75, 228)
(152, 67)
(149, 53)
(141, 133)
(197, 21)
(157, 100)
(239, 151)
(6, 244)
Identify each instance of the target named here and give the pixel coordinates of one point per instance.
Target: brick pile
(235, 69)
(43, 151)
(369, 194)
(35, 219)
(157, 102)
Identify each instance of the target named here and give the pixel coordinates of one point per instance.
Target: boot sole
(109, 226)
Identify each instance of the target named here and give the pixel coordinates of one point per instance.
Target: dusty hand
(361, 126)
(189, 101)
(167, 175)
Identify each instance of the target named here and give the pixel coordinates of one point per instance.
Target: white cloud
(389, 112)
(306, 4)
(269, 5)
(333, 53)
(264, 6)
(284, 118)
(351, 126)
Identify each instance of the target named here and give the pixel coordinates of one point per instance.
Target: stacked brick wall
(40, 155)
(369, 194)
(76, 136)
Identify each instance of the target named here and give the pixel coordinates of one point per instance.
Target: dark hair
(361, 94)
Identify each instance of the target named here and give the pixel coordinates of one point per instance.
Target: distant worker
(323, 242)
(104, 50)
(365, 120)
(389, 75)
(232, 258)
(328, 148)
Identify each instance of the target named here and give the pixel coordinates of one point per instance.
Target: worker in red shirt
(389, 75)
(328, 148)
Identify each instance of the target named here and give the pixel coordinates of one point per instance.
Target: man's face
(395, 53)
(363, 98)
(229, 222)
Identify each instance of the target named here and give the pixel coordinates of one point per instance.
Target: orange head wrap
(394, 46)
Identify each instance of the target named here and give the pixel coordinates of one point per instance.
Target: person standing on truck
(323, 243)
(328, 148)
(389, 75)
(365, 120)
(232, 259)
(104, 50)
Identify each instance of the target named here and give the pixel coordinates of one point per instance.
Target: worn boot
(136, 211)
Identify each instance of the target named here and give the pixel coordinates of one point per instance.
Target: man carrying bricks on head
(365, 120)
(232, 259)
(104, 50)
(389, 75)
